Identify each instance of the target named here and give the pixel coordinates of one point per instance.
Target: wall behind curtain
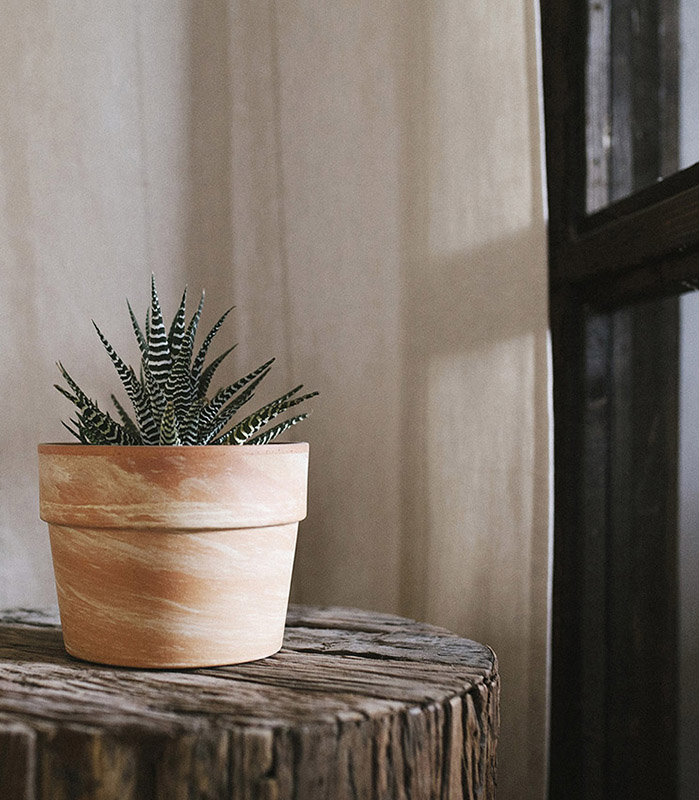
(363, 181)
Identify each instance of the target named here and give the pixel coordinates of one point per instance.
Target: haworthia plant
(169, 392)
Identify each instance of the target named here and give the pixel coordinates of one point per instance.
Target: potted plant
(173, 529)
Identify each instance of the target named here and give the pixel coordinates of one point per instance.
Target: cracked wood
(356, 706)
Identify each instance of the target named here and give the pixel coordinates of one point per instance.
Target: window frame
(644, 244)
(643, 247)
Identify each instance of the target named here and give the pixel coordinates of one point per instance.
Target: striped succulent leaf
(143, 410)
(190, 427)
(136, 391)
(178, 389)
(102, 429)
(76, 431)
(271, 433)
(159, 361)
(80, 432)
(96, 424)
(80, 401)
(140, 338)
(123, 370)
(179, 384)
(154, 393)
(129, 425)
(191, 331)
(208, 373)
(212, 409)
(168, 427)
(201, 355)
(211, 431)
(79, 395)
(176, 333)
(169, 398)
(258, 419)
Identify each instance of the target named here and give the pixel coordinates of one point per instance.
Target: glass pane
(628, 552)
(642, 94)
(688, 550)
(689, 83)
(640, 548)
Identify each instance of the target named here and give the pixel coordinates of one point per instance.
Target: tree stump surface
(356, 706)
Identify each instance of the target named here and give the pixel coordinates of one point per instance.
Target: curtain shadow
(474, 319)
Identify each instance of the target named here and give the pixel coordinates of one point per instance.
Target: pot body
(173, 556)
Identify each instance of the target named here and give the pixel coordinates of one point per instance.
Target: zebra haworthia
(169, 398)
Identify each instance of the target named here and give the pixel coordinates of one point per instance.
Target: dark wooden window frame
(643, 247)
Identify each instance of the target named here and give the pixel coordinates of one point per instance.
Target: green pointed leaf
(208, 374)
(266, 436)
(178, 389)
(258, 419)
(168, 427)
(80, 396)
(190, 426)
(129, 425)
(75, 432)
(136, 391)
(201, 355)
(140, 338)
(212, 409)
(208, 433)
(191, 331)
(177, 328)
(159, 360)
(156, 397)
(108, 430)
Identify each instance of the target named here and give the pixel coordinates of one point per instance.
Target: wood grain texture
(356, 706)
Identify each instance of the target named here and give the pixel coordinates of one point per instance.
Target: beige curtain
(363, 180)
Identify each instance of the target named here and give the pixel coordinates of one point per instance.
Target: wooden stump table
(357, 705)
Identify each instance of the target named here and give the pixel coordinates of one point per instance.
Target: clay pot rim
(65, 448)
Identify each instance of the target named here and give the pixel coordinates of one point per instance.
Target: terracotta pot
(173, 556)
